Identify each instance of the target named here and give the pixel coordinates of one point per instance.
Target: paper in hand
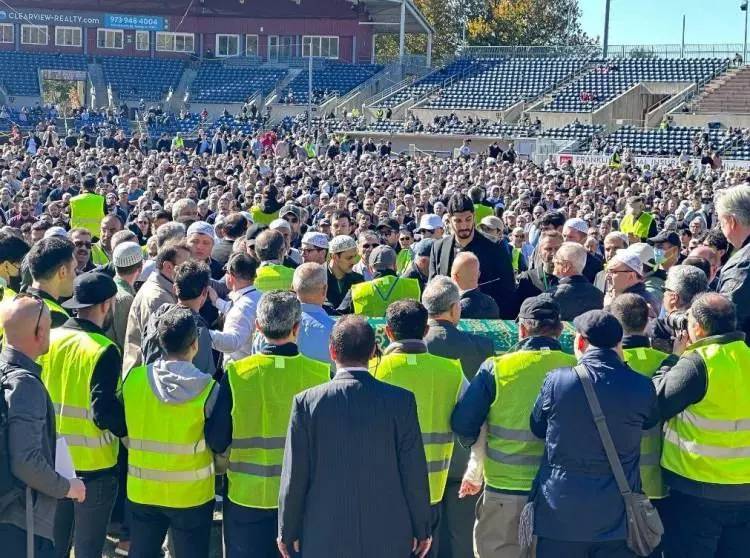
(63, 461)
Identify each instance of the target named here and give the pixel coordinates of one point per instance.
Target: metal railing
(728, 50)
(521, 51)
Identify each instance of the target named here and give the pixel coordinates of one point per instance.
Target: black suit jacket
(496, 270)
(475, 305)
(576, 295)
(354, 480)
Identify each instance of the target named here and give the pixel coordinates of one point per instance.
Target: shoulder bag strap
(601, 426)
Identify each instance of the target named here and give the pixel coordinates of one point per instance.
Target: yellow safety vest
(646, 361)
(513, 452)
(263, 389)
(169, 464)
(87, 211)
(67, 369)
(98, 255)
(436, 383)
(516, 259)
(178, 143)
(7, 295)
(639, 227)
(274, 277)
(262, 218)
(372, 298)
(710, 440)
(481, 211)
(55, 308)
(404, 258)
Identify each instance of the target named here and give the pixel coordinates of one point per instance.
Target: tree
(528, 22)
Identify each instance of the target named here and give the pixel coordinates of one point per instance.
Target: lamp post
(605, 41)
(743, 7)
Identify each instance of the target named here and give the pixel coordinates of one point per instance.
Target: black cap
(388, 223)
(91, 288)
(254, 230)
(600, 328)
(542, 307)
(666, 236)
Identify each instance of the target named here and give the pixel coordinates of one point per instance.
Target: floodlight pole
(605, 41)
(402, 33)
(309, 88)
(682, 45)
(744, 49)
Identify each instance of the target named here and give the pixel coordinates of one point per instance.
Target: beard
(463, 234)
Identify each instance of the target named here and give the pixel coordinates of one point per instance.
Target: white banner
(640, 161)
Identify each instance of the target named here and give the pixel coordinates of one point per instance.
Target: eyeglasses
(617, 271)
(41, 307)
(82, 244)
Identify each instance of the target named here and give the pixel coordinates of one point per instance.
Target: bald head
(19, 319)
(465, 271)
(709, 254)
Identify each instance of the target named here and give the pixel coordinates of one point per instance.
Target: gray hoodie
(177, 381)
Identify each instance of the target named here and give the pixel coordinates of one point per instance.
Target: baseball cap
(578, 224)
(423, 247)
(341, 243)
(541, 307)
(277, 224)
(666, 236)
(293, 209)
(430, 222)
(383, 257)
(388, 223)
(201, 227)
(627, 258)
(91, 288)
(127, 254)
(317, 239)
(600, 328)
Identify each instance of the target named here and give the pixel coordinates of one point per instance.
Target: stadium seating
(231, 123)
(331, 79)
(672, 141)
(19, 71)
(496, 84)
(219, 83)
(186, 126)
(136, 78)
(573, 131)
(609, 78)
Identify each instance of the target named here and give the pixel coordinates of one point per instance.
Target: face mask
(659, 256)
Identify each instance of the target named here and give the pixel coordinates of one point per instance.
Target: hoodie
(177, 381)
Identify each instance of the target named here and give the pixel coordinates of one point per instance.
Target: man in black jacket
(475, 305)
(540, 279)
(496, 277)
(574, 293)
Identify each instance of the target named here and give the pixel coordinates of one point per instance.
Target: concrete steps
(730, 93)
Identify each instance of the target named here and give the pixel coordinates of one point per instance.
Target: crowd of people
(279, 330)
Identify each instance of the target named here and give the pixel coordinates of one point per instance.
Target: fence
(728, 50)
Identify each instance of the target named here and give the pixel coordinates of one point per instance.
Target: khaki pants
(496, 528)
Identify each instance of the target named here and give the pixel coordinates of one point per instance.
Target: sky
(660, 21)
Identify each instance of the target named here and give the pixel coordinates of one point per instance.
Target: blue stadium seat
(136, 78)
(220, 83)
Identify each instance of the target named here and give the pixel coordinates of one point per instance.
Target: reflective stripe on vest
(646, 361)
(709, 441)
(513, 452)
(87, 211)
(169, 464)
(274, 277)
(435, 382)
(639, 227)
(372, 298)
(67, 369)
(263, 389)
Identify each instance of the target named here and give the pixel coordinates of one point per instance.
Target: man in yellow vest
(53, 269)
(101, 251)
(82, 373)
(251, 419)
(12, 251)
(637, 224)
(705, 401)
(88, 208)
(371, 298)
(480, 210)
(170, 482)
(436, 383)
(272, 274)
(502, 394)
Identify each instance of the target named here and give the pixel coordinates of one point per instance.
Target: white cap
(127, 254)
(341, 243)
(277, 224)
(201, 227)
(492, 222)
(430, 222)
(645, 253)
(55, 231)
(578, 224)
(627, 258)
(317, 239)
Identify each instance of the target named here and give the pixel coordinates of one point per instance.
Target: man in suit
(354, 476)
(475, 305)
(496, 278)
(442, 300)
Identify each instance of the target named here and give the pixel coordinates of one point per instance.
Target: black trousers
(190, 530)
(550, 548)
(436, 515)
(250, 532)
(13, 542)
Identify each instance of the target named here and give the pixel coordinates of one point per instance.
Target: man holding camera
(705, 403)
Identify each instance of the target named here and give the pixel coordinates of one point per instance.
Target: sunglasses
(82, 244)
(20, 296)
(370, 245)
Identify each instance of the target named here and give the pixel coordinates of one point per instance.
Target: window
(175, 42)
(6, 33)
(251, 45)
(323, 47)
(109, 38)
(68, 36)
(141, 40)
(34, 34)
(227, 45)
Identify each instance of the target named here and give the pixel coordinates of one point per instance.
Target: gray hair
(617, 235)
(181, 205)
(440, 295)
(687, 282)
(574, 254)
(168, 232)
(278, 312)
(125, 235)
(735, 201)
(309, 278)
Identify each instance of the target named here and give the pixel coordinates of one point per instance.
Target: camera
(677, 320)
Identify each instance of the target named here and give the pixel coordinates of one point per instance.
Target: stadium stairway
(96, 75)
(727, 94)
(186, 80)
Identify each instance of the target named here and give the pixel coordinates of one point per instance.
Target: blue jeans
(13, 542)
(85, 525)
(700, 528)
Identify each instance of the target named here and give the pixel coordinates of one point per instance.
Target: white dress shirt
(236, 339)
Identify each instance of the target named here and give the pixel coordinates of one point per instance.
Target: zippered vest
(513, 452)
(169, 464)
(98, 255)
(646, 361)
(372, 298)
(263, 389)
(87, 211)
(67, 369)
(274, 277)
(639, 227)
(710, 440)
(436, 383)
